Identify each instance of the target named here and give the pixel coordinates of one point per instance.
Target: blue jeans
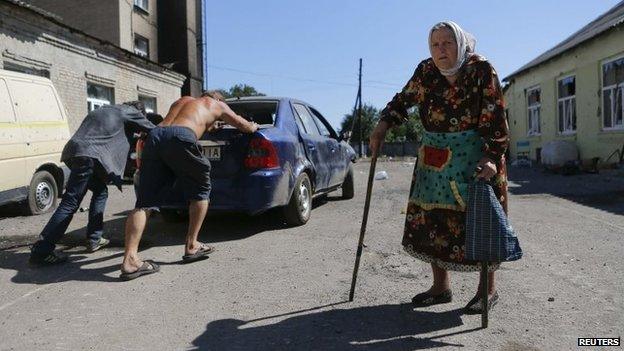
(86, 174)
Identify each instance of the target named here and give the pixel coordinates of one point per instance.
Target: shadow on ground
(11, 210)
(158, 233)
(384, 327)
(604, 191)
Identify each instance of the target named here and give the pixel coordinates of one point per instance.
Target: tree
(240, 90)
(411, 130)
(370, 116)
(408, 131)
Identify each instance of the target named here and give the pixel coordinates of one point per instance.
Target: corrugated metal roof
(610, 19)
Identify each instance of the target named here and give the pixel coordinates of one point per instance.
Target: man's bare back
(201, 114)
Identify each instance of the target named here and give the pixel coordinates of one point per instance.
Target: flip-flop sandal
(148, 267)
(202, 253)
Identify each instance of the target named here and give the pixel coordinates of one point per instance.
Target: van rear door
(39, 113)
(12, 148)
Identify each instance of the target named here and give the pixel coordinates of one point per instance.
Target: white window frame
(614, 88)
(143, 97)
(142, 4)
(567, 102)
(533, 129)
(139, 51)
(94, 104)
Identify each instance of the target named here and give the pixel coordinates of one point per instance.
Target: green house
(572, 92)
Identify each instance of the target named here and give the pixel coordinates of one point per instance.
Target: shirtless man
(171, 154)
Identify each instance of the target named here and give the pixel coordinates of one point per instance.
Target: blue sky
(310, 49)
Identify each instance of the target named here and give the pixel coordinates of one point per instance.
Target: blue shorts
(172, 154)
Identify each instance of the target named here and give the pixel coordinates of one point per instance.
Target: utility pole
(204, 46)
(359, 99)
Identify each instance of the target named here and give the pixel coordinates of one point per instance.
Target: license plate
(213, 153)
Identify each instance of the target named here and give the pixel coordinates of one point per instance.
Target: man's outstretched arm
(231, 118)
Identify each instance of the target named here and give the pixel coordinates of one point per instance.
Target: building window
(534, 104)
(566, 104)
(142, 4)
(612, 94)
(141, 46)
(98, 96)
(149, 102)
(10, 66)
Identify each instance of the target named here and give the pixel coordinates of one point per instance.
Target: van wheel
(42, 193)
(348, 189)
(298, 210)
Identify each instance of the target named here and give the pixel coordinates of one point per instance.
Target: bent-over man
(96, 154)
(172, 154)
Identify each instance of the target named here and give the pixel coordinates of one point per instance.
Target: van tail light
(261, 154)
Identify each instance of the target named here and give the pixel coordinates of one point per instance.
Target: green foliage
(370, 116)
(240, 90)
(408, 131)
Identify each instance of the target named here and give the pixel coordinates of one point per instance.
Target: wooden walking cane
(369, 189)
(484, 294)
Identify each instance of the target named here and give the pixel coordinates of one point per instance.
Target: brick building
(87, 71)
(165, 31)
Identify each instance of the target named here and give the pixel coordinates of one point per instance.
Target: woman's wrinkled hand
(377, 137)
(486, 168)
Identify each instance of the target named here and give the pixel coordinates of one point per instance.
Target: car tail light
(262, 154)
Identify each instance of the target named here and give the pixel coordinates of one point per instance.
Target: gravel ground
(274, 288)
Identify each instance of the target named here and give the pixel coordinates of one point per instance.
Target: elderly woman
(461, 107)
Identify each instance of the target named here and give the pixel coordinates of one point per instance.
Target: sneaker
(49, 259)
(100, 244)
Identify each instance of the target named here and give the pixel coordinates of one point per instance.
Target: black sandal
(202, 253)
(474, 306)
(148, 267)
(426, 299)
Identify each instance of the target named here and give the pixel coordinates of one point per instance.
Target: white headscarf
(465, 44)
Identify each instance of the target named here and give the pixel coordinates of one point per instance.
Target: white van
(33, 132)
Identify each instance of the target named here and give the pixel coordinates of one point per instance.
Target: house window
(142, 4)
(98, 96)
(149, 102)
(534, 104)
(141, 46)
(612, 94)
(10, 66)
(566, 104)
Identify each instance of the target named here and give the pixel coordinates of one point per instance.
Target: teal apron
(446, 164)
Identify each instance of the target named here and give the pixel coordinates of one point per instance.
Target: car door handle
(311, 147)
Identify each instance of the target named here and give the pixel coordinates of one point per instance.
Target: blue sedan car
(294, 156)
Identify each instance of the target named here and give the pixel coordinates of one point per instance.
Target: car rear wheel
(42, 193)
(298, 210)
(348, 189)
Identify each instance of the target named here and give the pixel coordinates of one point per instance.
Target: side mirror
(344, 136)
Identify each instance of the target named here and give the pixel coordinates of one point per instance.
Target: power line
(300, 79)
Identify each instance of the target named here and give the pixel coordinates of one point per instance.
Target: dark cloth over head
(102, 136)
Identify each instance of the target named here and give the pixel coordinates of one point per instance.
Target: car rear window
(261, 112)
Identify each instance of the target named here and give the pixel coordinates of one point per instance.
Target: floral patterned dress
(473, 102)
